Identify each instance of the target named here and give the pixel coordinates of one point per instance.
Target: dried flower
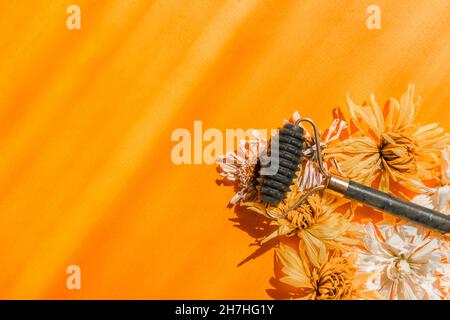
(404, 259)
(444, 268)
(241, 167)
(438, 198)
(335, 278)
(389, 144)
(315, 222)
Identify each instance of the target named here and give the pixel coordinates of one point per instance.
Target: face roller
(290, 142)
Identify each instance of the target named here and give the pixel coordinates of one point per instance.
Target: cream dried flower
(335, 278)
(241, 167)
(389, 144)
(444, 269)
(404, 260)
(315, 222)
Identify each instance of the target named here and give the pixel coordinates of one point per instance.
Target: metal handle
(383, 201)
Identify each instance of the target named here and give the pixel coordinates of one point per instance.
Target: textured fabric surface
(86, 118)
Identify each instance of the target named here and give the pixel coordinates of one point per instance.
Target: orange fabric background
(86, 118)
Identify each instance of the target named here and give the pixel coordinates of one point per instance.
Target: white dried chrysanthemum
(404, 259)
(444, 269)
(241, 167)
(438, 198)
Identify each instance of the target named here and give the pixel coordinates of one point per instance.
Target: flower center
(398, 152)
(303, 217)
(333, 284)
(247, 178)
(399, 268)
